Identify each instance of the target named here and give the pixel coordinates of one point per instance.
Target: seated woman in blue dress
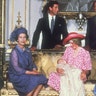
(22, 71)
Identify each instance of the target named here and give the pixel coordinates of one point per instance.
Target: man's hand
(58, 47)
(33, 48)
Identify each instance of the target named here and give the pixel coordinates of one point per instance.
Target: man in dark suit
(50, 39)
(90, 40)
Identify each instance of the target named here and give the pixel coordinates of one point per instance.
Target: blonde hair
(77, 41)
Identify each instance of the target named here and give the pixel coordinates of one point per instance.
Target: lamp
(80, 19)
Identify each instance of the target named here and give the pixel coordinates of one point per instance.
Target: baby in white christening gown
(70, 82)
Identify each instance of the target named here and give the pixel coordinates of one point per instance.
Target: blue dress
(20, 61)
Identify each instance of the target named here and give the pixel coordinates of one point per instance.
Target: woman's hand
(60, 70)
(34, 72)
(83, 76)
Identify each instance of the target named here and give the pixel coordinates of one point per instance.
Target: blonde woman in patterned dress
(79, 61)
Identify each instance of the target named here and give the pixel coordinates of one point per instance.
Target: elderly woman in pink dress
(71, 83)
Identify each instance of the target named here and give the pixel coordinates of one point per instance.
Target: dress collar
(20, 49)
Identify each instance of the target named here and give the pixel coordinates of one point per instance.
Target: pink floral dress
(80, 61)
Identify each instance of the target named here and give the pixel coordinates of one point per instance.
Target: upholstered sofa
(46, 62)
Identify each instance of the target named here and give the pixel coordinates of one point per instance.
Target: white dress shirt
(50, 18)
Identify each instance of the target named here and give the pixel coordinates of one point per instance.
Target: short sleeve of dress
(87, 64)
(65, 55)
(14, 63)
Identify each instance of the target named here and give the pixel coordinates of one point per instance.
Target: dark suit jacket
(90, 39)
(50, 40)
